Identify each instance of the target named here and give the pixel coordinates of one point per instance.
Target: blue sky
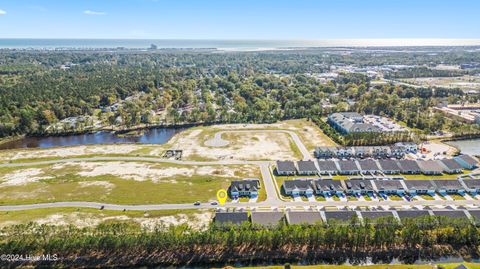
(240, 19)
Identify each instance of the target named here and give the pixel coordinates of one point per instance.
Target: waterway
(149, 136)
(470, 146)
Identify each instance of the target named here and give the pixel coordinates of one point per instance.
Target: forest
(113, 244)
(39, 89)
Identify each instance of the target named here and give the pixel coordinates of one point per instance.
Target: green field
(66, 184)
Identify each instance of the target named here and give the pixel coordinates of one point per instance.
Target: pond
(470, 146)
(149, 136)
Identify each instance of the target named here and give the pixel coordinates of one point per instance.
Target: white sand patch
(70, 151)
(104, 184)
(133, 170)
(22, 177)
(196, 221)
(215, 171)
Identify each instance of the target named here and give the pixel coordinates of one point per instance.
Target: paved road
(265, 204)
(218, 141)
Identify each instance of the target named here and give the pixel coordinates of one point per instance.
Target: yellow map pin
(222, 196)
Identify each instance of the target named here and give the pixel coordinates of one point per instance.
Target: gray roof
(472, 183)
(340, 215)
(451, 164)
(475, 214)
(295, 217)
(430, 166)
(329, 185)
(245, 185)
(409, 165)
(448, 184)
(306, 166)
(359, 184)
(327, 166)
(389, 185)
(450, 213)
(299, 184)
(231, 217)
(348, 165)
(405, 214)
(420, 184)
(468, 159)
(266, 218)
(368, 165)
(389, 165)
(286, 166)
(376, 214)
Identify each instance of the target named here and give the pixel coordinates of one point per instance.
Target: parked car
(214, 203)
(197, 203)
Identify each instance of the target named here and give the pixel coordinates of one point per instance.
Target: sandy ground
(126, 170)
(436, 151)
(67, 151)
(22, 177)
(198, 221)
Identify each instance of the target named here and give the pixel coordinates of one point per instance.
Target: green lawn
(67, 185)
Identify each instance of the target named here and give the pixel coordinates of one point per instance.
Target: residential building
(373, 216)
(451, 214)
(389, 187)
(348, 167)
(451, 166)
(340, 216)
(406, 215)
(389, 167)
(299, 187)
(286, 168)
(409, 167)
(303, 217)
(267, 218)
(229, 218)
(246, 187)
(417, 187)
(445, 187)
(327, 167)
(472, 186)
(306, 168)
(368, 166)
(358, 187)
(430, 167)
(328, 188)
(467, 162)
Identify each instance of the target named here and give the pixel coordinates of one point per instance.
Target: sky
(240, 19)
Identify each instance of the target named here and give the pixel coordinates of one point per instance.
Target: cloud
(94, 13)
(2, 12)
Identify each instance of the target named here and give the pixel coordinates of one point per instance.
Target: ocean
(24, 43)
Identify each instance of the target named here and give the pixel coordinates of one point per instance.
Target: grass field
(91, 217)
(184, 184)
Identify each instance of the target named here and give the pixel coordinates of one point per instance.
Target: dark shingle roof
(327, 166)
(306, 166)
(405, 214)
(409, 165)
(340, 215)
(359, 184)
(266, 218)
(376, 214)
(451, 164)
(294, 217)
(468, 159)
(448, 184)
(472, 183)
(419, 184)
(286, 166)
(450, 213)
(245, 185)
(389, 165)
(475, 214)
(430, 166)
(329, 185)
(348, 165)
(368, 165)
(389, 185)
(297, 184)
(231, 217)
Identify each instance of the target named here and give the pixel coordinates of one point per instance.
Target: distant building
(352, 122)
